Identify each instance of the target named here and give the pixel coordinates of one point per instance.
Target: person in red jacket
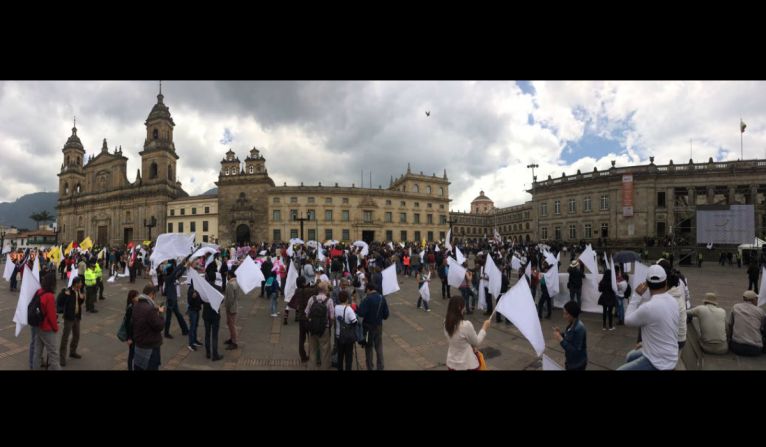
(46, 333)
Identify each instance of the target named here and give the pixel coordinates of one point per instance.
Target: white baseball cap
(656, 274)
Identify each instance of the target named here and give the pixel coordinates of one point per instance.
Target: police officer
(90, 287)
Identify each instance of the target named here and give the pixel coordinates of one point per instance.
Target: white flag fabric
(249, 276)
(550, 365)
(422, 256)
(204, 251)
(550, 259)
(390, 284)
(459, 256)
(112, 278)
(6, 249)
(552, 280)
(290, 285)
(436, 249)
(36, 267)
(613, 274)
(447, 244)
(495, 282)
(401, 244)
(391, 246)
(320, 255)
(290, 251)
(515, 263)
(172, 246)
(518, 306)
(482, 305)
(425, 292)
(208, 293)
(456, 274)
(639, 276)
(762, 291)
(29, 286)
(126, 273)
(586, 257)
(73, 274)
(9, 267)
(365, 247)
(528, 271)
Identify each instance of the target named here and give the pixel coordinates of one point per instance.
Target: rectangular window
(442, 235)
(275, 200)
(170, 227)
(441, 206)
(417, 219)
(544, 209)
(276, 215)
(344, 216)
(328, 201)
(402, 203)
(293, 200)
(367, 216)
(312, 234)
(293, 233)
(346, 235)
(204, 225)
(345, 200)
(557, 207)
(183, 211)
(180, 227)
(661, 229)
(194, 211)
(204, 238)
(293, 214)
(311, 200)
(557, 233)
(588, 231)
(389, 235)
(572, 231)
(429, 218)
(403, 235)
(312, 215)
(417, 204)
(604, 230)
(192, 226)
(207, 210)
(572, 208)
(172, 212)
(442, 219)
(430, 236)
(277, 236)
(328, 216)
(417, 235)
(604, 202)
(544, 233)
(327, 234)
(661, 199)
(587, 205)
(388, 217)
(429, 205)
(402, 217)
(388, 202)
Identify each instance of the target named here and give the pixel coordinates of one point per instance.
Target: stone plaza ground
(413, 339)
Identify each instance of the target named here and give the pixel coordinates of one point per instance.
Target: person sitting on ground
(745, 326)
(710, 325)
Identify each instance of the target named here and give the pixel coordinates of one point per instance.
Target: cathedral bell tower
(158, 159)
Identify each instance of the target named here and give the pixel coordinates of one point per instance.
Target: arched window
(428, 189)
(404, 189)
(441, 191)
(153, 170)
(251, 169)
(416, 188)
(155, 134)
(170, 172)
(226, 171)
(66, 188)
(78, 189)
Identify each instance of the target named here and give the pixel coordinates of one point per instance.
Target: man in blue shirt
(373, 310)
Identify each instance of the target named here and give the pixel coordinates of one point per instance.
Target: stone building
(196, 214)
(96, 198)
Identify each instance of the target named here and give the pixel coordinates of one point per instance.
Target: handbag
(482, 362)
(122, 332)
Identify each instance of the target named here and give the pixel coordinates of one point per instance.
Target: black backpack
(628, 291)
(318, 317)
(347, 330)
(35, 312)
(356, 283)
(61, 301)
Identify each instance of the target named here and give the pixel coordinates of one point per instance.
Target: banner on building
(627, 195)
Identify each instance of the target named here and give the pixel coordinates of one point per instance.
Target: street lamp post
(56, 232)
(149, 225)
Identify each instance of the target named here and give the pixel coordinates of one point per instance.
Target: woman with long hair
(607, 300)
(462, 337)
(132, 298)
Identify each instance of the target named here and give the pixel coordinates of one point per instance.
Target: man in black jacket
(72, 298)
(171, 296)
(266, 270)
(574, 284)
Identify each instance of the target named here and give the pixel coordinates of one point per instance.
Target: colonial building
(197, 214)
(96, 198)
(513, 223)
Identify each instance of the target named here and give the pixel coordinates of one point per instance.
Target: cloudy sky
(483, 133)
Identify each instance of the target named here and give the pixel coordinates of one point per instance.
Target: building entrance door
(127, 236)
(101, 238)
(243, 234)
(368, 236)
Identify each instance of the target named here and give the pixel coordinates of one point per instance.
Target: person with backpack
(345, 331)
(321, 313)
(298, 302)
(69, 302)
(41, 314)
(373, 311)
(272, 289)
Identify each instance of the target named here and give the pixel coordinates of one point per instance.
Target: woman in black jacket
(132, 298)
(607, 299)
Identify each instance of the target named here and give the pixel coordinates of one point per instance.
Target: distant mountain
(210, 192)
(17, 213)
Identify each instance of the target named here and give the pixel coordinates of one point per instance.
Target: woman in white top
(462, 337)
(344, 314)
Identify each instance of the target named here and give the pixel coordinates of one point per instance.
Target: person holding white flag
(425, 278)
(573, 340)
(462, 353)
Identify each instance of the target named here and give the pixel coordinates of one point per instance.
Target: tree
(42, 216)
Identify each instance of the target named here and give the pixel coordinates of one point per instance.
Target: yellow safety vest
(90, 278)
(98, 271)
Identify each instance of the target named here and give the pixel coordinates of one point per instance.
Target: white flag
(391, 246)
(515, 263)
(586, 257)
(456, 274)
(447, 243)
(482, 304)
(208, 293)
(73, 274)
(762, 291)
(172, 246)
(425, 292)
(111, 279)
(290, 251)
(36, 267)
(639, 276)
(390, 284)
(459, 256)
(613, 274)
(290, 285)
(320, 254)
(528, 271)
(518, 306)
(203, 252)
(436, 249)
(550, 365)
(495, 277)
(29, 286)
(552, 280)
(126, 272)
(9, 268)
(249, 276)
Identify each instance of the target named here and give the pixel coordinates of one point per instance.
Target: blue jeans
(467, 293)
(193, 320)
(172, 308)
(620, 308)
(635, 361)
(131, 353)
(154, 362)
(273, 297)
(420, 298)
(212, 326)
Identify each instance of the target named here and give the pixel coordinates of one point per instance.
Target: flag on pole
(86, 244)
(518, 306)
(290, 285)
(742, 126)
(390, 284)
(29, 286)
(762, 291)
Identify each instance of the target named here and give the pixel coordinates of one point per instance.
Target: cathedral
(96, 199)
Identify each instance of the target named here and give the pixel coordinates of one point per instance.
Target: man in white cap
(658, 317)
(744, 326)
(710, 325)
(574, 283)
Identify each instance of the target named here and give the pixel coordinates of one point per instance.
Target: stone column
(732, 192)
(710, 195)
